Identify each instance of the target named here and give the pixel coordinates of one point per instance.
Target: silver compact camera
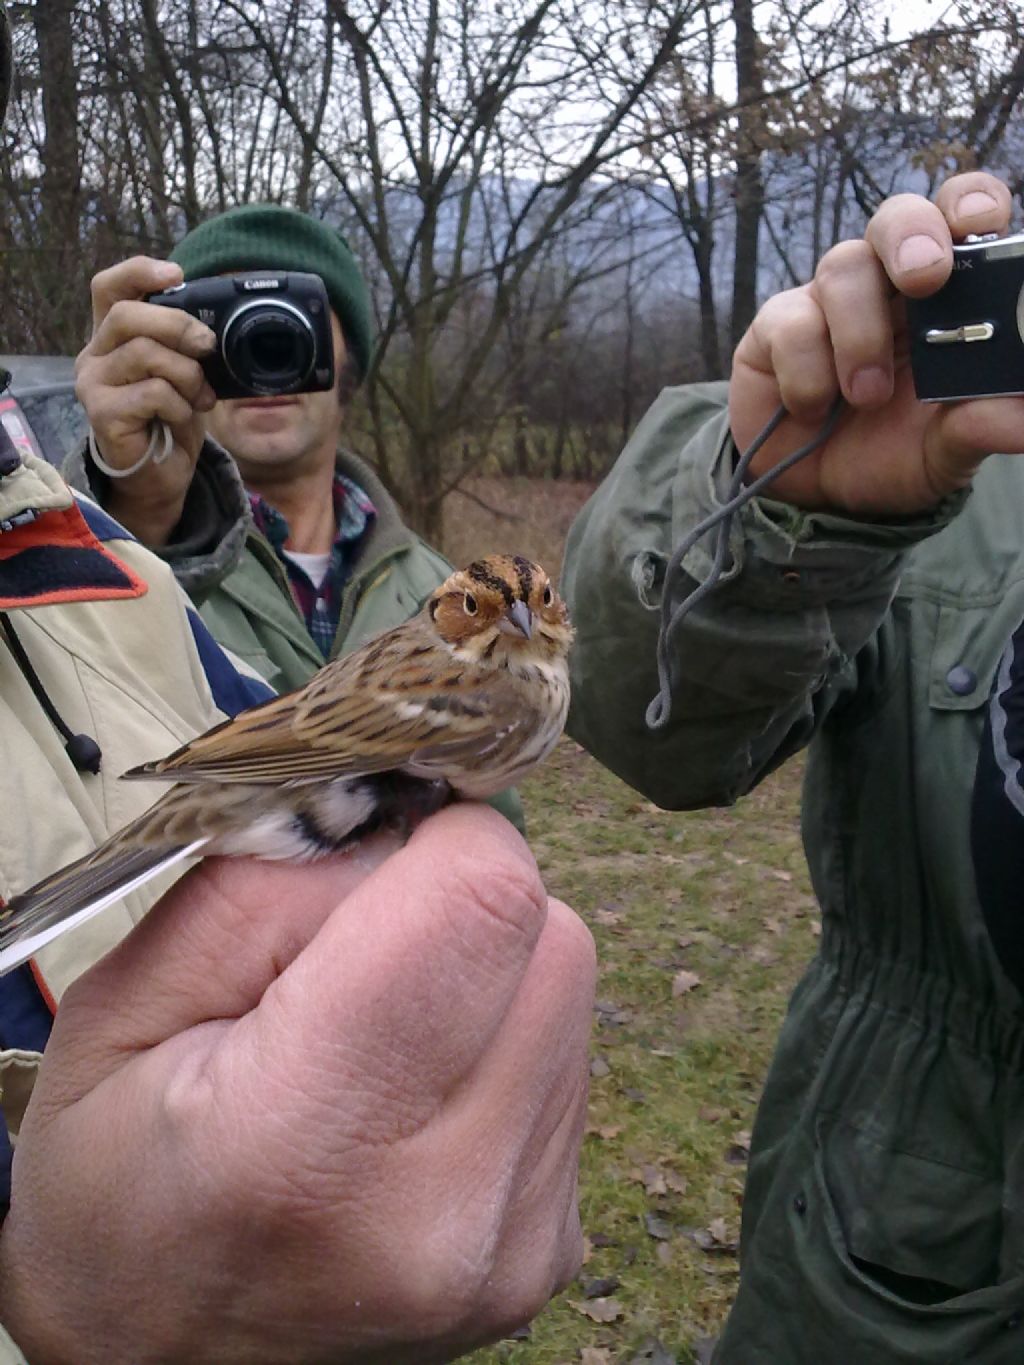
(967, 339)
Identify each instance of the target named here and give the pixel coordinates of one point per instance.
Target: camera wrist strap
(660, 709)
(160, 435)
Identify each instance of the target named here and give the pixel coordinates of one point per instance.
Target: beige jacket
(109, 634)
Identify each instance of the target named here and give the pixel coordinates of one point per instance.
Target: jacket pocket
(969, 642)
(806, 1296)
(913, 1259)
(921, 1230)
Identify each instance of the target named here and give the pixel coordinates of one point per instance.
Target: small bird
(462, 700)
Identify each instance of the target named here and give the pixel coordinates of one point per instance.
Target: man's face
(286, 436)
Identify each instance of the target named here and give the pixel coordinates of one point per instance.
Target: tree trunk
(749, 187)
(64, 300)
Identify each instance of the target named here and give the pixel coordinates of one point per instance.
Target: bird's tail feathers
(77, 892)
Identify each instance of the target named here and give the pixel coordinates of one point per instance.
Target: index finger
(913, 238)
(131, 279)
(403, 990)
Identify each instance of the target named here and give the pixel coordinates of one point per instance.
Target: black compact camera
(967, 340)
(273, 331)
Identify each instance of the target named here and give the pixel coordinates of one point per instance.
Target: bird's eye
(469, 602)
(548, 596)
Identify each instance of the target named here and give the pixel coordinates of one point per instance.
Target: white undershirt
(313, 566)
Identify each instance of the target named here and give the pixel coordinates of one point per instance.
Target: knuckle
(506, 891)
(844, 259)
(143, 353)
(801, 327)
(449, 1286)
(485, 872)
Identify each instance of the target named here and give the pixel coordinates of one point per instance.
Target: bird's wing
(399, 703)
(77, 892)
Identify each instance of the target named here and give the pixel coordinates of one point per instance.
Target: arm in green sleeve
(795, 623)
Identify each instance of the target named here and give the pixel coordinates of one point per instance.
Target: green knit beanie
(271, 237)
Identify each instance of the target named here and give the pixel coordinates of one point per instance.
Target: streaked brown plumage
(462, 700)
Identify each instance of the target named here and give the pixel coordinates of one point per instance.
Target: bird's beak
(520, 618)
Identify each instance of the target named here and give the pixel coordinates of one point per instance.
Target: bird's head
(503, 605)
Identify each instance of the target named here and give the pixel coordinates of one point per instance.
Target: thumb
(962, 435)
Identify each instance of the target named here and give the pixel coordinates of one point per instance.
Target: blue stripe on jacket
(232, 691)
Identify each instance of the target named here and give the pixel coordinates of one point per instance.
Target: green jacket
(884, 1214)
(241, 590)
(238, 583)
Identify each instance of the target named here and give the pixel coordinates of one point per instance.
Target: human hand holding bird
(460, 701)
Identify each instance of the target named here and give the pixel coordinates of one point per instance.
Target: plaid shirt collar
(354, 515)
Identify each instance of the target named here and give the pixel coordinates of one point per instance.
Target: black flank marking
(491, 648)
(480, 573)
(309, 829)
(525, 571)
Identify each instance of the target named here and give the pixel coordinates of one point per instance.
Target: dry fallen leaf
(651, 1178)
(716, 1237)
(605, 1131)
(684, 981)
(599, 1310)
(657, 1227)
(600, 1288)
(595, 1355)
(654, 1352)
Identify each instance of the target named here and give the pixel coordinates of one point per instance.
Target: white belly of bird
(340, 807)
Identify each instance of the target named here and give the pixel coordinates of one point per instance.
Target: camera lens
(268, 347)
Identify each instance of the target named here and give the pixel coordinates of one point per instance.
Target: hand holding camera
(142, 366)
(847, 332)
(166, 352)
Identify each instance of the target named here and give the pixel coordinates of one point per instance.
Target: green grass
(724, 896)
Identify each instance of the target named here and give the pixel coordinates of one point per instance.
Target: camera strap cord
(82, 750)
(160, 435)
(660, 708)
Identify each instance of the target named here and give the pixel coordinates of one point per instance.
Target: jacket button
(800, 1204)
(961, 680)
